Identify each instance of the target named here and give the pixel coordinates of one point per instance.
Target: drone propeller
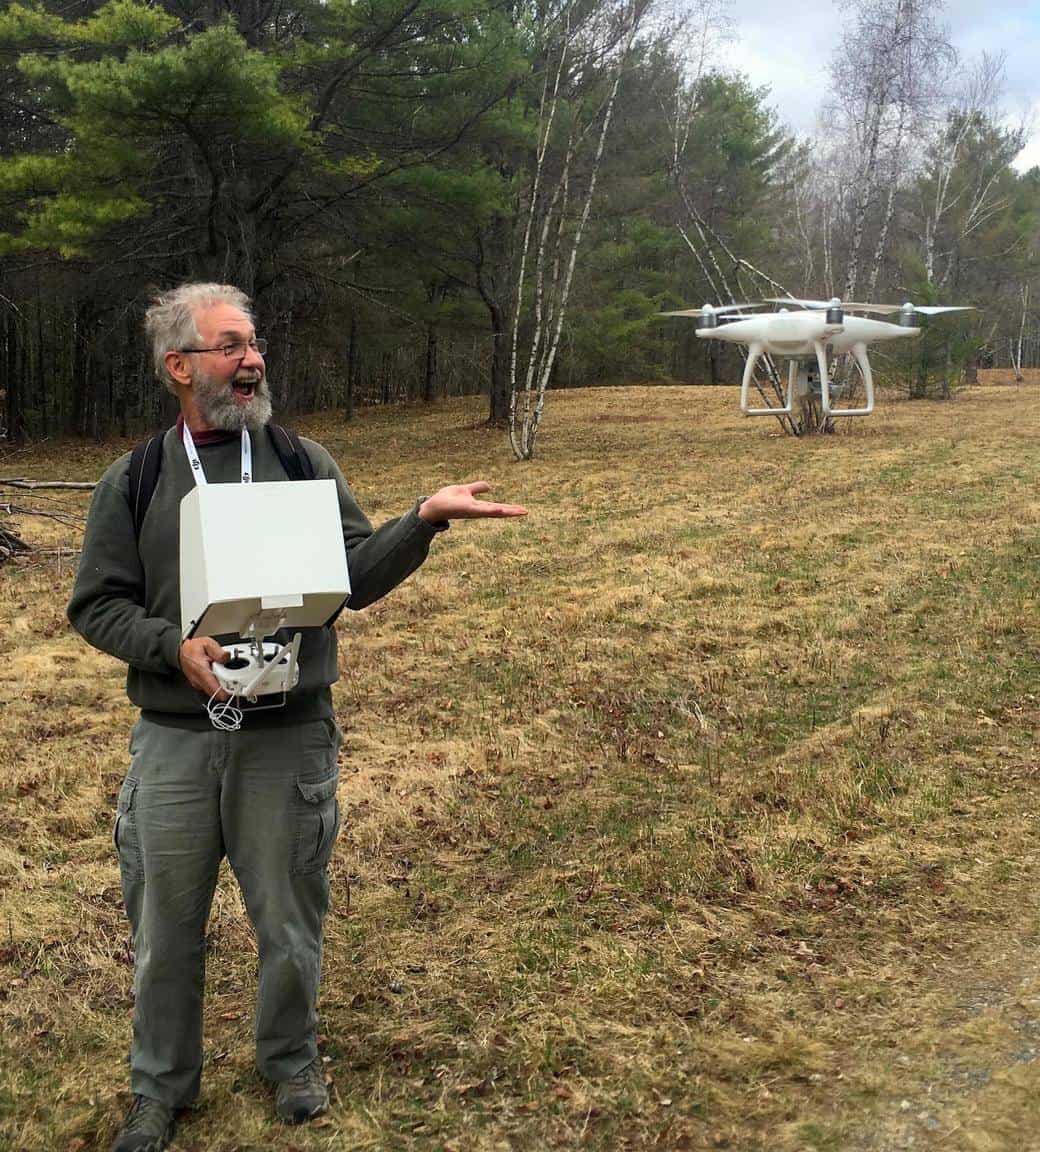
(796, 301)
(710, 310)
(909, 310)
(912, 309)
(815, 305)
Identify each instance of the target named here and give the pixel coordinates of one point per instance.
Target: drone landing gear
(807, 380)
(755, 351)
(828, 392)
(797, 379)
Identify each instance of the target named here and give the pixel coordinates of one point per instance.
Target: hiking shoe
(148, 1127)
(303, 1096)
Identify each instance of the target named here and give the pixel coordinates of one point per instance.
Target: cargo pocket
(318, 824)
(124, 833)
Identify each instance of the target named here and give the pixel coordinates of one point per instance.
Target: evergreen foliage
(365, 170)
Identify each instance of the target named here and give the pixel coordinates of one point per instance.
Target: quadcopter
(805, 338)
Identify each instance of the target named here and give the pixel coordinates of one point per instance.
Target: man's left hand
(459, 502)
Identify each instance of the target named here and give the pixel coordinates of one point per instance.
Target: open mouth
(244, 388)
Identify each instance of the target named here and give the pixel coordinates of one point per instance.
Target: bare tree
(976, 201)
(887, 74)
(587, 52)
(696, 31)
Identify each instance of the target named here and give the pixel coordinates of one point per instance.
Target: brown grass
(696, 811)
(1001, 376)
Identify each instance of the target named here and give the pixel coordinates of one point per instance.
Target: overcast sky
(788, 46)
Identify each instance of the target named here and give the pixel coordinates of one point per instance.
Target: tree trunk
(386, 383)
(498, 415)
(79, 368)
(352, 357)
(430, 384)
(947, 382)
(15, 363)
(879, 251)
(1024, 293)
(39, 400)
(862, 207)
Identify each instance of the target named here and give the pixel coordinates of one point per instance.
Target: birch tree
(586, 53)
(963, 183)
(1016, 346)
(887, 73)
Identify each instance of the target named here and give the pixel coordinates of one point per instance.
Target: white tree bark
(555, 262)
(1017, 360)
(890, 200)
(978, 97)
(888, 72)
(546, 116)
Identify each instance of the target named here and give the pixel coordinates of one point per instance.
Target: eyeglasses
(236, 351)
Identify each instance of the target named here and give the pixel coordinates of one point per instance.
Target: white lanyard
(196, 463)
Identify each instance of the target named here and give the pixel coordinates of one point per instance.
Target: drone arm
(755, 350)
(859, 354)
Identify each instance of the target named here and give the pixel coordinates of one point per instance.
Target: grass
(695, 811)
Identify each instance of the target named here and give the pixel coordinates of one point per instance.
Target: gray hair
(169, 323)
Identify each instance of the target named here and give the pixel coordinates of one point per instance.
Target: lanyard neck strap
(196, 463)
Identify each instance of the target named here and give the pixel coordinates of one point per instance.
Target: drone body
(801, 336)
(806, 338)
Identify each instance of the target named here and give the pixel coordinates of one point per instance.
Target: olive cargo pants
(267, 800)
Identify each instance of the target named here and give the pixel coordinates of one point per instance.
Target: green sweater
(126, 599)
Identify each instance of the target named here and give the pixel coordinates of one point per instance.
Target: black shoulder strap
(145, 462)
(291, 452)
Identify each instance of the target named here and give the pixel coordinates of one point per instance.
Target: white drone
(804, 338)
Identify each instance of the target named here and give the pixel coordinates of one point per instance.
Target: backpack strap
(291, 452)
(145, 462)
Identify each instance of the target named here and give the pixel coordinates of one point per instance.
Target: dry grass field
(698, 810)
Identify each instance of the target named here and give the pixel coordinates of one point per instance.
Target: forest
(431, 199)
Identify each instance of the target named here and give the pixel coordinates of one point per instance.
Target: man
(265, 794)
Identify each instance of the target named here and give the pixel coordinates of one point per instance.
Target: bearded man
(264, 795)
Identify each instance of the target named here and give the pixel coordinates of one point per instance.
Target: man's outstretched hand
(459, 502)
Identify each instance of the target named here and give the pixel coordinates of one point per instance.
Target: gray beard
(218, 407)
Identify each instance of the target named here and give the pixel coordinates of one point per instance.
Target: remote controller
(247, 673)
